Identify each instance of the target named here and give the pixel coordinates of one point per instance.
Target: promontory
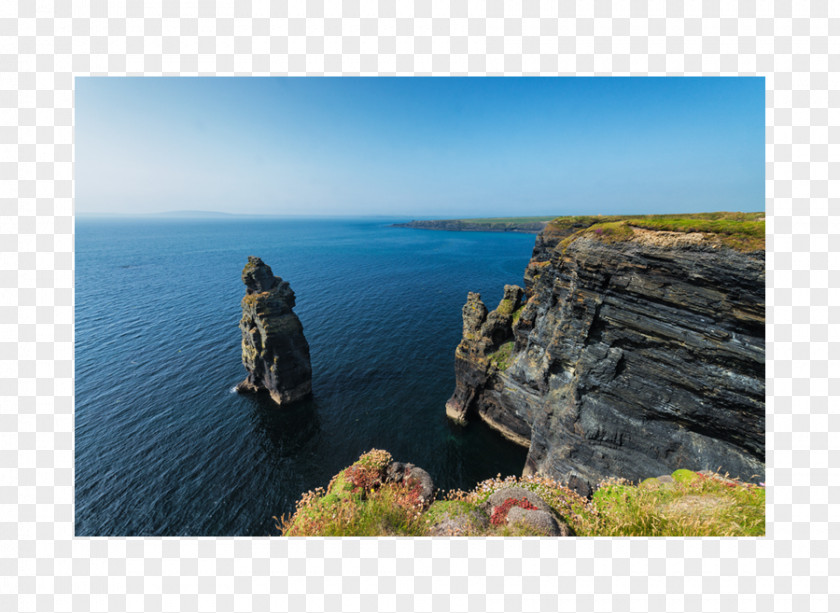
(635, 348)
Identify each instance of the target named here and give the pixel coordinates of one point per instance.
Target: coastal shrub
(358, 503)
(390, 510)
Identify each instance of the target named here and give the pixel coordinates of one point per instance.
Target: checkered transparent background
(43, 45)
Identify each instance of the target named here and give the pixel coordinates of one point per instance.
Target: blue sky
(419, 147)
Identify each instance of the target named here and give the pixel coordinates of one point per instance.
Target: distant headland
(525, 225)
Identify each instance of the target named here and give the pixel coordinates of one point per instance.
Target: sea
(164, 446)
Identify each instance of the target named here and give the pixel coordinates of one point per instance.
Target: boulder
(399, 472)
(541, 522)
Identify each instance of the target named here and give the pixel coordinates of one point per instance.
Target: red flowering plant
(500, 513)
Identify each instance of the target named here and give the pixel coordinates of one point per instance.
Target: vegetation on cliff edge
(739, 231)
(501, 359)
(360, 501)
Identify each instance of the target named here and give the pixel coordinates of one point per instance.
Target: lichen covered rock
(536, 522)
(274, 349)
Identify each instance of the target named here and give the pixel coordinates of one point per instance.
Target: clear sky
(419, 147)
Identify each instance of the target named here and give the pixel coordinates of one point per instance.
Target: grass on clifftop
(739, 231)
(358, 502)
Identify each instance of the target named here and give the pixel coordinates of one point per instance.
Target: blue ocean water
(163, 444)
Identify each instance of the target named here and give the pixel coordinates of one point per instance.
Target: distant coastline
(525, 225)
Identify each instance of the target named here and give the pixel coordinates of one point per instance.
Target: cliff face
(637, 352)
(274, 350)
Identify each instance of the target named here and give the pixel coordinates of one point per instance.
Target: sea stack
(274, 350)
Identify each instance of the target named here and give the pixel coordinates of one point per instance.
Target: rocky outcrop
(519, 507)
(274, 350)
(483, 352)
(636, 353)
(414, 476)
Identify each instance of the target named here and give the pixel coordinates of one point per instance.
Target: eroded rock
(540, 519)
(399, 472)
(484, 336)
(274, 350)
(540, 522)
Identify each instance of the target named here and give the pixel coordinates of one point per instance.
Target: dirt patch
(664, 238)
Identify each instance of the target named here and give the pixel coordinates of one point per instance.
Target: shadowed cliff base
(638, 349)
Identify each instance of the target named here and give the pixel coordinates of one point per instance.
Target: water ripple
(163, 446)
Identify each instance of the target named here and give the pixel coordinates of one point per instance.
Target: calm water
(163, 446)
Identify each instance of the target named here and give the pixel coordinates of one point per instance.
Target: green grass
(739, 231)
(692, 505)
(505, 307)
(517, 314)
(440, 510)
(357, 503)
(502, 358)
(574, 223)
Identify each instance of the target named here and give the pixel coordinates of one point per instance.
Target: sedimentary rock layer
(631, 357)
(274, 350)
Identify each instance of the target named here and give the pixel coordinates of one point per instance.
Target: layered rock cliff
(638, 351)
(274, 350)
